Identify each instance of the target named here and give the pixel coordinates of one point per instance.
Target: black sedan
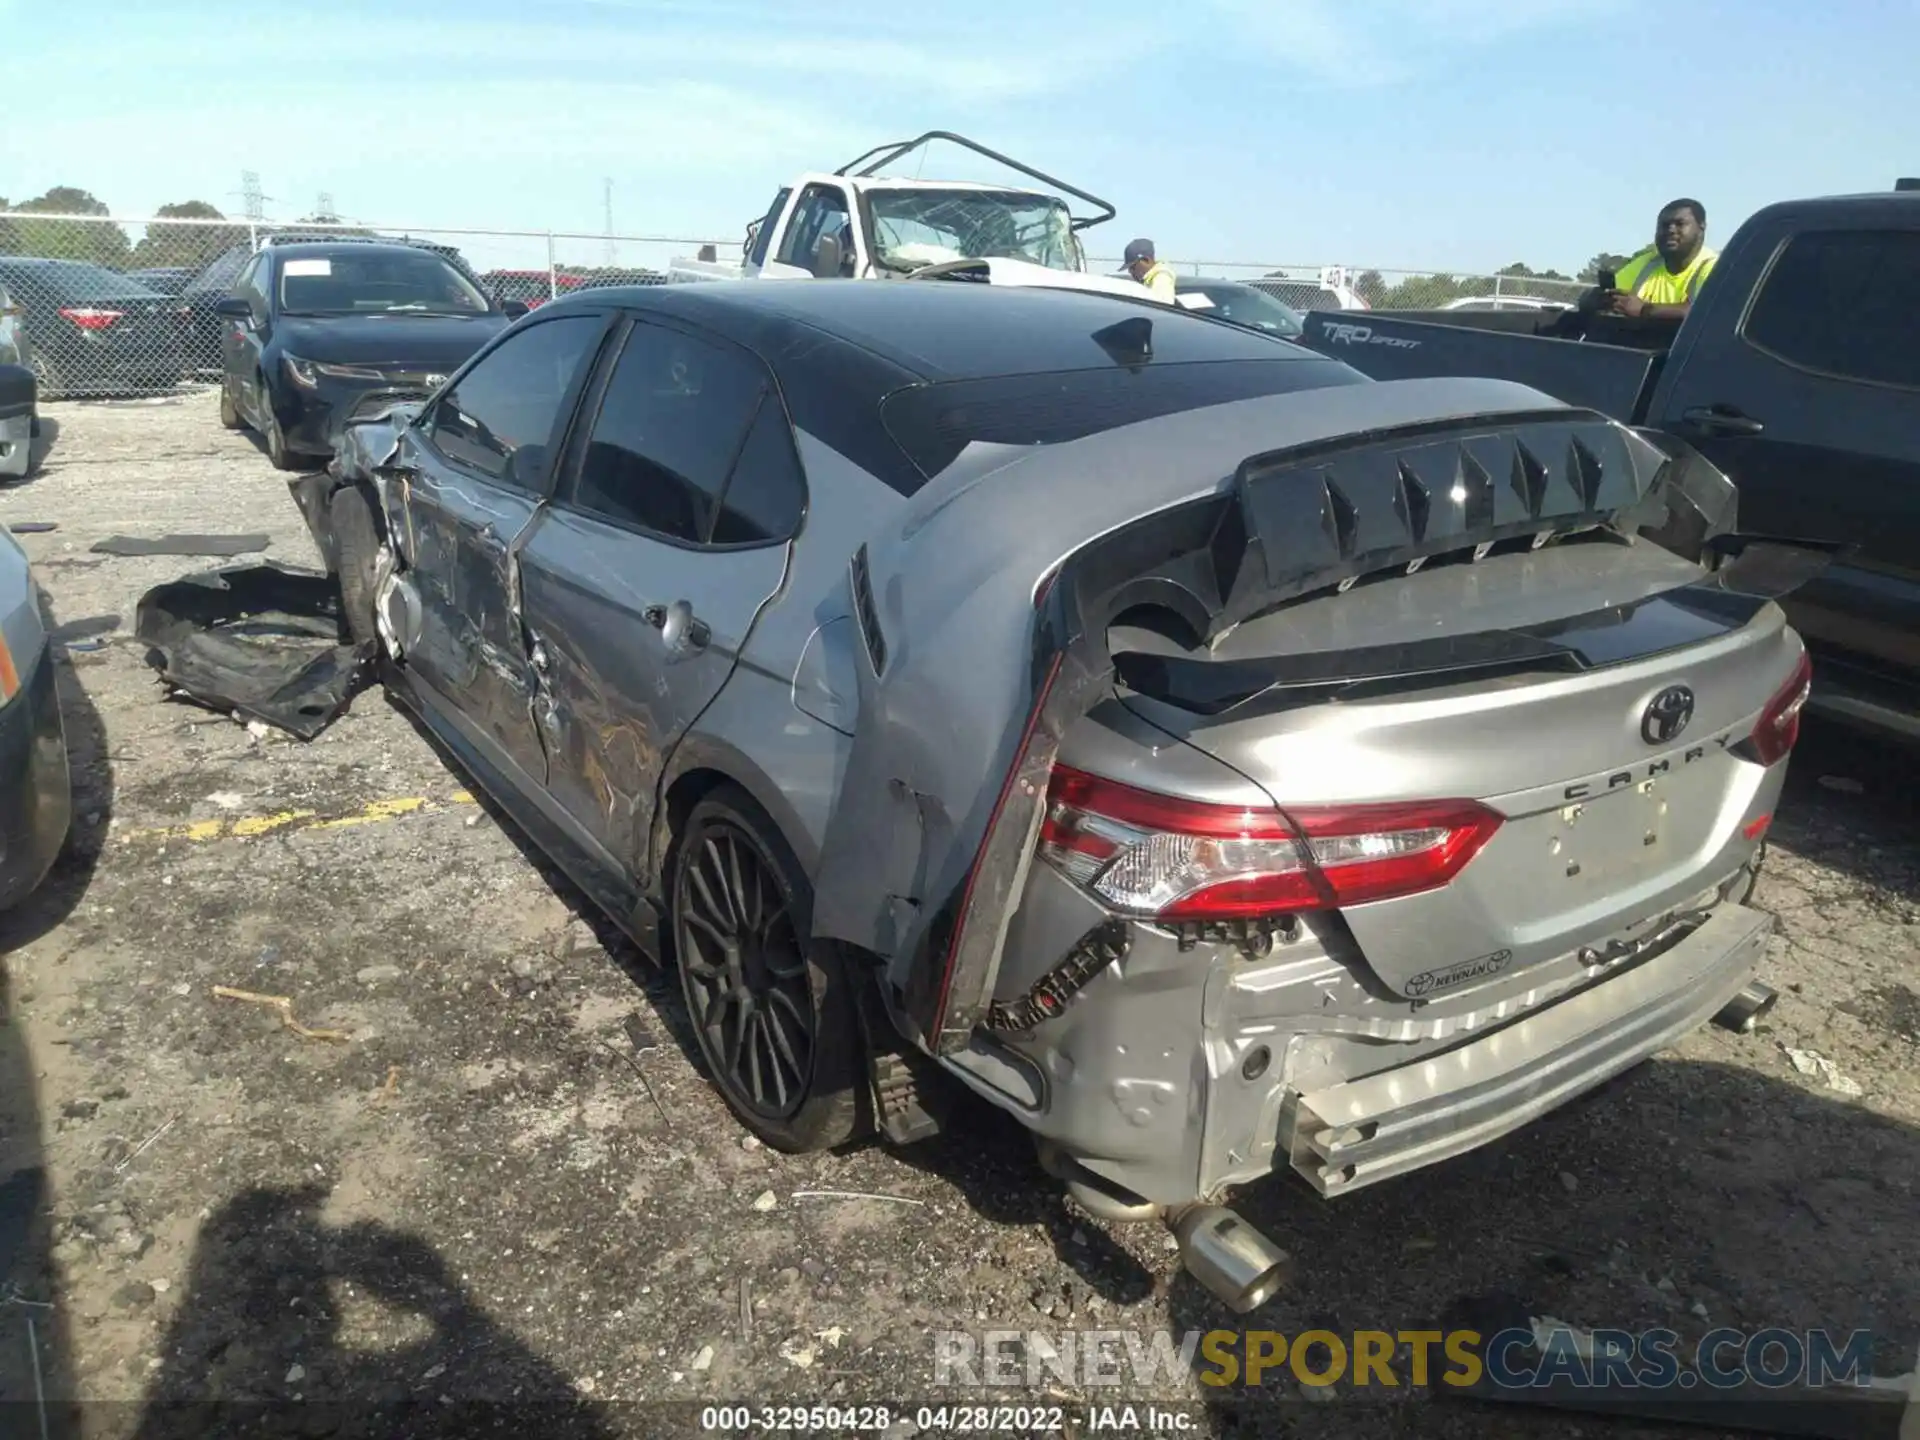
(1238, 304)
(93, 331)
(317, 334)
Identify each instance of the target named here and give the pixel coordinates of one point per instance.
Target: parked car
(167, 279)
(1238, 304)
(1170, 735)
(19, 419)
(93, 331)
(1795, 372)
(217, 278)
(533, 288)
(36, 793)
(321, 332)
(12, 332)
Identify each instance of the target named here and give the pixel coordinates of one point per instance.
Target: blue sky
(1438, 134)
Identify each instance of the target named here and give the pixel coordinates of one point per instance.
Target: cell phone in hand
(1607, 281)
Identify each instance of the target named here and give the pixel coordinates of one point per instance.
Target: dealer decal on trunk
(1448, 976)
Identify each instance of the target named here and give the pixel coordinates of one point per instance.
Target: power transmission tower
(608, 196)
(256, 202)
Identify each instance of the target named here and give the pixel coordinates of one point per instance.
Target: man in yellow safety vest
(1662, 281)
(1142, 266)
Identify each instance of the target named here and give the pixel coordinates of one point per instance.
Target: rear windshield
(934, 423)
(75, 280)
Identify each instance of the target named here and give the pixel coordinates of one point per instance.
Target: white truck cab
(858, 223)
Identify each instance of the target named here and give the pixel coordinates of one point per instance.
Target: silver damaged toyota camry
(1222, 762)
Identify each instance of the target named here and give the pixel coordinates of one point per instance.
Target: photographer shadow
(294, 1326)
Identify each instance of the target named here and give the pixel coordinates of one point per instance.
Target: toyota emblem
(434, 382)
(1667, 715)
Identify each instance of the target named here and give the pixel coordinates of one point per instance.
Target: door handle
(678, 625)
(1721, 420)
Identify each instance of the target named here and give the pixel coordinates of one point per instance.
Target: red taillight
(1148, 854)
(1779, 725)
(88, 317)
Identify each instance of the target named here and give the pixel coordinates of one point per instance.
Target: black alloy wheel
(773, 1017)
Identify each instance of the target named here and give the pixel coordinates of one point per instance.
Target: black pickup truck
(1797, 372)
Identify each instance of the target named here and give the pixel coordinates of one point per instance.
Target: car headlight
(308, 372)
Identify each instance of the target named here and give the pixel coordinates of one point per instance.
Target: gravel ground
(485, 1192)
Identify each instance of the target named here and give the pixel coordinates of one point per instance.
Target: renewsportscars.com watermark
(1514, 1359)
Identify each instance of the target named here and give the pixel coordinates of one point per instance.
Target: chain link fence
(107, 307)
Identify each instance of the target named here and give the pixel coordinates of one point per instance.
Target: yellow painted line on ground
(248, 826)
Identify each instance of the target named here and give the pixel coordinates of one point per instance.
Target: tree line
(185, 246)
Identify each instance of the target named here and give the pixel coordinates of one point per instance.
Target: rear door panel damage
(989, 653)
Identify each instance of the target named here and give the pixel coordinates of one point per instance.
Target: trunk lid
(1615, 771)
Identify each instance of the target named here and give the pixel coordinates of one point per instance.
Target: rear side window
(934, 423)
(499, 419)
(675, 415)
(1842, 303)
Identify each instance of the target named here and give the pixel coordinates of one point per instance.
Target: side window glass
(499, 418)
(822, 211)
(670, 424)
(767, 492)
(1841, 303)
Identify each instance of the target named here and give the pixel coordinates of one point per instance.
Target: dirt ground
(485, 1192)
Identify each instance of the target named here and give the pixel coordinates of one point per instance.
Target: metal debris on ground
(284, 1004)
(854, 1195)
(263, 642)
(1812, 1062)
(1876, 1407)
(746, 1310)
(636, 1034)
(33, 527)
(212, 546)
(145, 1145)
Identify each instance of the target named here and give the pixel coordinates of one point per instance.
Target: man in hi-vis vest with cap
(1663, 280)
(1148, 271)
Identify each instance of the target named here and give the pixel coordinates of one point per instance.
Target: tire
(715, 898)
(356, 546)
(278, 455)
(47, 383)
(229, 415)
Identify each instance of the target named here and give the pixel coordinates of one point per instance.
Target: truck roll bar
(893, 150)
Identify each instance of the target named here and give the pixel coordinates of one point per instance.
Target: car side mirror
(826, 258)
(233, 307)
(513, 309)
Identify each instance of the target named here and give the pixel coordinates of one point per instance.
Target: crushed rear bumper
(1347, 1136)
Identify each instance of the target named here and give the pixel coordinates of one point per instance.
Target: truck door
(754, 258)
(823, 209)
(1806, 397)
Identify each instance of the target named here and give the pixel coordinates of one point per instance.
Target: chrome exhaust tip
(1239, 1265)
(1747, 1009)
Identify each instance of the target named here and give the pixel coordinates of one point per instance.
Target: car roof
(940, 329)
(334, 248)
